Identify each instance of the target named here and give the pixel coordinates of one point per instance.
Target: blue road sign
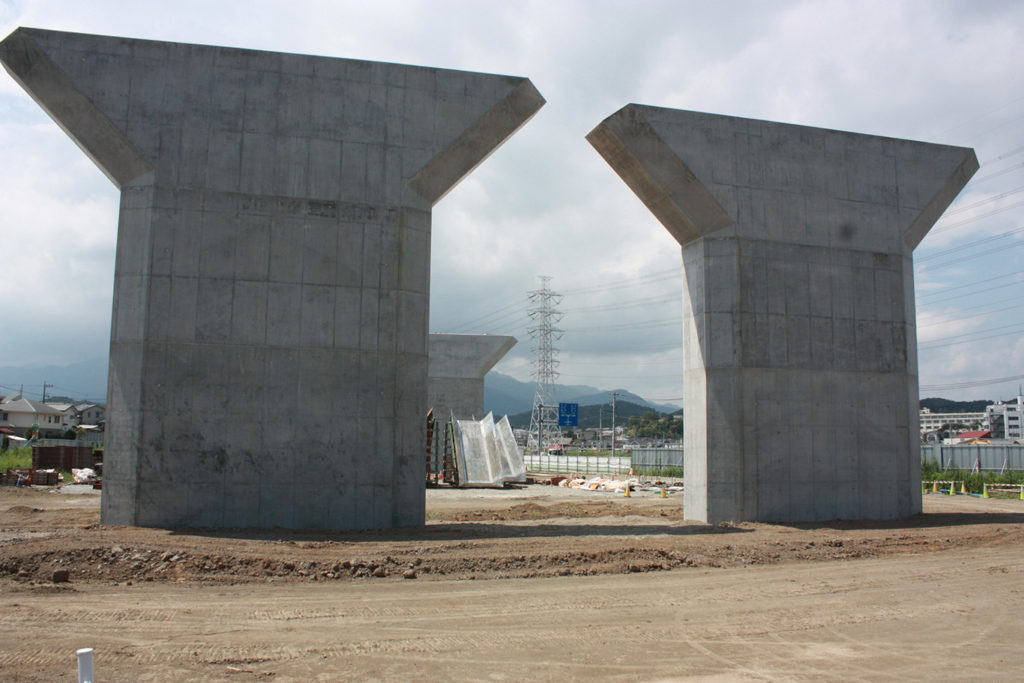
(568, 414)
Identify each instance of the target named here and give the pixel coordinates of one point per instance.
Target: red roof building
(971, 436)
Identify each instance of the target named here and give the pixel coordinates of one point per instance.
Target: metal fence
(994, 458)
(577, 464)
(645, 459)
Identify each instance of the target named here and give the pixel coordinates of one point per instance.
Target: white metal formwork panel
(513, 468)
(486, 453)
(474, 452)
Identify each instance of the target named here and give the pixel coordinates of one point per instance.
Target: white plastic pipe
(85, 674)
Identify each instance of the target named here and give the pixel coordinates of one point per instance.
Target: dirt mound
(497, 539)
(576, 510)
(22, 510)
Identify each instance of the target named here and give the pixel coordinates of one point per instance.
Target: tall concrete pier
(458, 364)
(268, 360)
(799, 340)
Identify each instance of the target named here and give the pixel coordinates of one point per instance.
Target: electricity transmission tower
(544, 317)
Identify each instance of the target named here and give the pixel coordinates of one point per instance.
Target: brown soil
(535, 532)
(468, 537)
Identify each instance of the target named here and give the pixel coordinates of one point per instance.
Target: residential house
(21, 414)
(89, 413)
(975, 436)
(79, 414)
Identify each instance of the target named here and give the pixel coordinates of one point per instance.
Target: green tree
(651, 425)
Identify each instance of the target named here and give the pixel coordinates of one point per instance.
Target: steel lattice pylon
(544, 316)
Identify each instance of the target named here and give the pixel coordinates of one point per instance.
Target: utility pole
(544, 420)
(45, 385)
(600, 428)
(614, 394)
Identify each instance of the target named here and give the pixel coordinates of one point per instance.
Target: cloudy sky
(546, 203)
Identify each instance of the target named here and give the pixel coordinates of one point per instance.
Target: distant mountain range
(592, 416)
(85, 380)
(504, 395)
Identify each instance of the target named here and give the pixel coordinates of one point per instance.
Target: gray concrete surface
(799, 337)
(268, 361)
(458, 364)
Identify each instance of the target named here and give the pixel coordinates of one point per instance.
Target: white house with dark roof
(89, 413)
(21, 414)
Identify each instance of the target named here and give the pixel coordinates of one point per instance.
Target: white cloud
(546, 203)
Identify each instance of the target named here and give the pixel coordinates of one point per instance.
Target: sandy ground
(533, 583)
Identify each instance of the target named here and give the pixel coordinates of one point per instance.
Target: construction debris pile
(85, 475)
(601, 484)
(611, 484)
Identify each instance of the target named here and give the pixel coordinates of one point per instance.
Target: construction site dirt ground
(532, 583)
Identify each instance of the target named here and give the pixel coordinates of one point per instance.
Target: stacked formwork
(65, 458)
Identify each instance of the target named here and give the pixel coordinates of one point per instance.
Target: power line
(982, 202)
(513, 321)
(491, 318)
(968, 385)
(996, 174)
(632, 363)
(500, 312)
(991, 129)
(661, 376)
(983, 116)
(967, 284)
(939, 227)
(968, 334)
(1006, 155)
(931, 345)
(968, 317)
(635, 303)
(654, 347)
(655, 276)
(645, 324)
(968, 245)
(975, 292)
(957, 261)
